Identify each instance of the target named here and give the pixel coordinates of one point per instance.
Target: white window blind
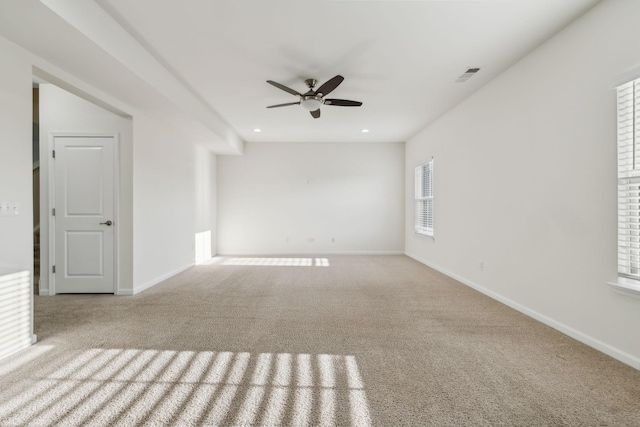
(629, 180)
(424, 199)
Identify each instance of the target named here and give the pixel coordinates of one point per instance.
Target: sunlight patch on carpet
(101, 387)
(26, 356)
(278, 262)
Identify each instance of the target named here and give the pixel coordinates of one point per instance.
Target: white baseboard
(44, 292)
(145, 286)
(291, 254)
(607, 349)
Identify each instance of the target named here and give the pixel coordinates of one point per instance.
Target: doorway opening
(63, 112)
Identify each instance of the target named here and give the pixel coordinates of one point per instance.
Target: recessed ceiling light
(365, 131)
(256, 130)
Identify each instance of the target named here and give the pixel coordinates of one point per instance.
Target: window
(629, 180)
(424, 199)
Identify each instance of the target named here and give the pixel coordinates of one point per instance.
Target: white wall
(16, 232)
(204, 177)
(525, 181)
(61, 111)
(277, 196)
(174, 198)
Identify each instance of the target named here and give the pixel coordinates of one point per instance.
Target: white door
(84, 214)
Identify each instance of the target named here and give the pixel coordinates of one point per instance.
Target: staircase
(36, 221)
(36, 261)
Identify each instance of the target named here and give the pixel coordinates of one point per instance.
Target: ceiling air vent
(467, 75)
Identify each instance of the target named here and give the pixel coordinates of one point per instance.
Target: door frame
(52, 197)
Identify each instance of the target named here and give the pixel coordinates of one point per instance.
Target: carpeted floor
(342, 340)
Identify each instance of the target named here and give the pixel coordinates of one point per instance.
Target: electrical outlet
(333, 240)
(9, 208)
(310, 240)
(481, 266)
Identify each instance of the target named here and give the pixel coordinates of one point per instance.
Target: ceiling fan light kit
(311, 103)
(313, 100)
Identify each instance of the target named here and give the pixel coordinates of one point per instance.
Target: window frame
(628, 149)
(423, 210)
(628, 194)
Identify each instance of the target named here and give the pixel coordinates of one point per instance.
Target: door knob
(109, 222)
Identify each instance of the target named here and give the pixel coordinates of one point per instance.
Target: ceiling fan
(313, 99)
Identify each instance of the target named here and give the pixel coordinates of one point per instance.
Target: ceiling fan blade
(284, 105)
(330, 85)
(315, 114)
(342, 102)
(284, 88)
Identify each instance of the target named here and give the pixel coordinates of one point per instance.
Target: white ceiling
(400, 58)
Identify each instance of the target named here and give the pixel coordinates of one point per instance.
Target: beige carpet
(352, 340)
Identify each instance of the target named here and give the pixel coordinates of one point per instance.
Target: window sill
(628, 287)
(426, 236)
